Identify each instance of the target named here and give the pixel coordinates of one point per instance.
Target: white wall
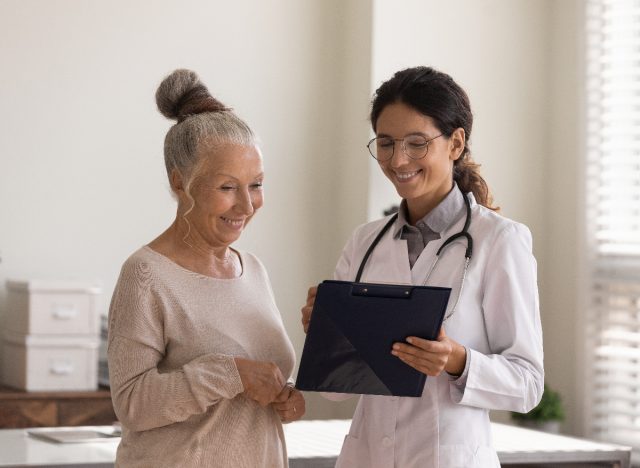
(83, 183)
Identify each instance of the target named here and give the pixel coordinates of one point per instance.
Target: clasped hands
(263, 382)
(428, 357)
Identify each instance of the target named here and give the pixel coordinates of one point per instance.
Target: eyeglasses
(414, 146)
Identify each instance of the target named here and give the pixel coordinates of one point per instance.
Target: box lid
(66, 286)
(62, 341)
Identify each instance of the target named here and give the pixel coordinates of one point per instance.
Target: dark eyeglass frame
(404, 148)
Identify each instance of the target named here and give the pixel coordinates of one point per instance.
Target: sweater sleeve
(143, 397)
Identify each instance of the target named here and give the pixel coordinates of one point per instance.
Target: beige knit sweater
(173, 334)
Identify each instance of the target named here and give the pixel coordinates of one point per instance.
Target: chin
(406, 193)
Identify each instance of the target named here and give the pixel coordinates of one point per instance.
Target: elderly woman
(198, 355)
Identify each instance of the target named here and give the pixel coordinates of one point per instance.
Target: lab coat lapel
(389, 262)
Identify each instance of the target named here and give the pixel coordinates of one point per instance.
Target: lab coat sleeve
(511, 377)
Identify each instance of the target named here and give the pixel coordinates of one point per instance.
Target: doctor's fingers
(306, 317)
(443, 345)
(308, 307)
(432, 365)
(438, 355)
(311, 295)
(436, 358)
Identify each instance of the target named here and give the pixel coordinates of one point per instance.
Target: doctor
(489, 351)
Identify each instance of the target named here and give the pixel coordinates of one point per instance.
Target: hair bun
(182, 94)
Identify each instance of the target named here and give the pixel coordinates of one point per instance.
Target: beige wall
(83, 183)
(564, 166)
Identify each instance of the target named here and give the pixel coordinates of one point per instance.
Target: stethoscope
(467, 256)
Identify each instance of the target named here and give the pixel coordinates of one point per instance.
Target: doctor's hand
(290, 404)
(432, 357)
(262, 380)
(308, 307)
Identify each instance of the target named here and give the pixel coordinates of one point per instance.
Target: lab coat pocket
(353, 454)
(468, 456)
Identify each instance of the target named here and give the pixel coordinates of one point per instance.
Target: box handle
(61, 368)
(64, 312)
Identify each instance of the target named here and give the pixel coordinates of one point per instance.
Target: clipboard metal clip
(378, 290)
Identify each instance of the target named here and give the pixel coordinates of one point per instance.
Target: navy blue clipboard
(352, 329)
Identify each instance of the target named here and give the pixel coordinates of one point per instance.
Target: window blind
(613, 219)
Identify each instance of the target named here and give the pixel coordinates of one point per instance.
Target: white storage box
(37, 363)
(52, 308)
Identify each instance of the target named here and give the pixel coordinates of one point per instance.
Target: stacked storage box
(103, 365)
(50, 336)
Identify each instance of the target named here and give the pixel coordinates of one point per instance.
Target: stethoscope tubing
(464, 233)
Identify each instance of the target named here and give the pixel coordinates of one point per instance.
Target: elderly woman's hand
(262, 381)
(289, 405)
(308, 307)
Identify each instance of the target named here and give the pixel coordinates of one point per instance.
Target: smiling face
(227, 194)
(422, 182)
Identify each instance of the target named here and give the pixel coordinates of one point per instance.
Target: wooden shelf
(19, 409)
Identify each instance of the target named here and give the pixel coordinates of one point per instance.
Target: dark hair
(436, 95)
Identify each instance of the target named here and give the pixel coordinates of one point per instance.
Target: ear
(176, 181)
(456, 143)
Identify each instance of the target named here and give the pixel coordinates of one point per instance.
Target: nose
(244, 203)
(399, 157)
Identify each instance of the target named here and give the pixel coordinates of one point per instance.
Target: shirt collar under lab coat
(445, 214)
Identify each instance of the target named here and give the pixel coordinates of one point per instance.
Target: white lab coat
(497, 319)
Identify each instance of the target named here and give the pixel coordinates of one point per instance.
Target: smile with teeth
(236, 223)
(403, 176)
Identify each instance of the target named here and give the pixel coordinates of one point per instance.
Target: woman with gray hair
(198, 355)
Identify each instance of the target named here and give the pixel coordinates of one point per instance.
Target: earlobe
(457, 143)
(176, 181)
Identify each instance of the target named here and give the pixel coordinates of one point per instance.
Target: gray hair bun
(182, 94)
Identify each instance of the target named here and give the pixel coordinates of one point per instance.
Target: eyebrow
(384, 135)
(222, 174)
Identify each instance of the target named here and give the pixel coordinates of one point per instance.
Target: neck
(192, 244)
(186, 248)
(420, 207)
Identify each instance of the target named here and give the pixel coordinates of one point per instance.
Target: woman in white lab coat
(489, 351)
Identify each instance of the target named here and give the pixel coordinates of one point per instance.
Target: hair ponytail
(466, 173)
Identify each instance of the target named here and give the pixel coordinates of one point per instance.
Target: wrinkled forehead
(233, 159)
